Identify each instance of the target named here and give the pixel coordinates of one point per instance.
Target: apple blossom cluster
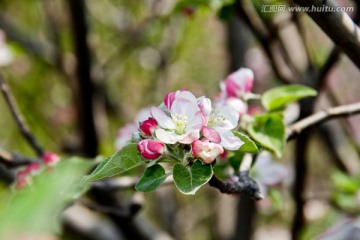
(196, 123)
(190, 132)
(23, 177)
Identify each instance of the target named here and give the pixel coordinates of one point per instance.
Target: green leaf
(36, 209)
(152, 178)
(189, 179)
(123, 160)
(204, 4)
(277, 98)
(248, 146)
(269, 131)
(344, 183)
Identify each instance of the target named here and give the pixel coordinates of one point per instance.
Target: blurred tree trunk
(85, 86)
(238, 37)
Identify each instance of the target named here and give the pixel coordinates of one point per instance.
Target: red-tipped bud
(240, 82)
(169, 99)
(50, 158)
(148, 126)
(33, 167)
(151, 149)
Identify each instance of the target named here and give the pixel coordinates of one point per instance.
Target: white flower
(182, 123)
(267, 172)
(239, 105)
(219, 123)
(238, 83)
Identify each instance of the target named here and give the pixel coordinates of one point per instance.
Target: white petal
(183, 107)
(231, 118)
(241, 76)
(142, 115)
(204, 105)
(185, 103)
(273, 174)
(229, 141)
(185, 95)
(222, 86)
(167, 137)
(196, 123)
(230, 114)
(163, 120)
(263, 160)
(239, 105)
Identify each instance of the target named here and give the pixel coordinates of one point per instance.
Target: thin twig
(321, 116)
(265, 41)
(337, 25)
(19, 119)
(245, 185)
(33, 45)
(11, 160)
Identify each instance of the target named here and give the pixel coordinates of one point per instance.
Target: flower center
(180, 123)
(215, 118)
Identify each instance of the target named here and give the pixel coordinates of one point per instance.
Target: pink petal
(204, 106)
(196, 147)
(211, 134)
(232, 88)
(190, 137)
(156, 146)
(169, 99)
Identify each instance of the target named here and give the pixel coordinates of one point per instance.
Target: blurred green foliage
(34, 210)
(346, 194)
(139, 53)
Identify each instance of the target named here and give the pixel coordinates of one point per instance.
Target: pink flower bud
(169, 99)
(148, 126)
(32, 167)
(21, 183)
(22, 179)
(206, 151)
(151, 149)
(240, 82)
(50, 158)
